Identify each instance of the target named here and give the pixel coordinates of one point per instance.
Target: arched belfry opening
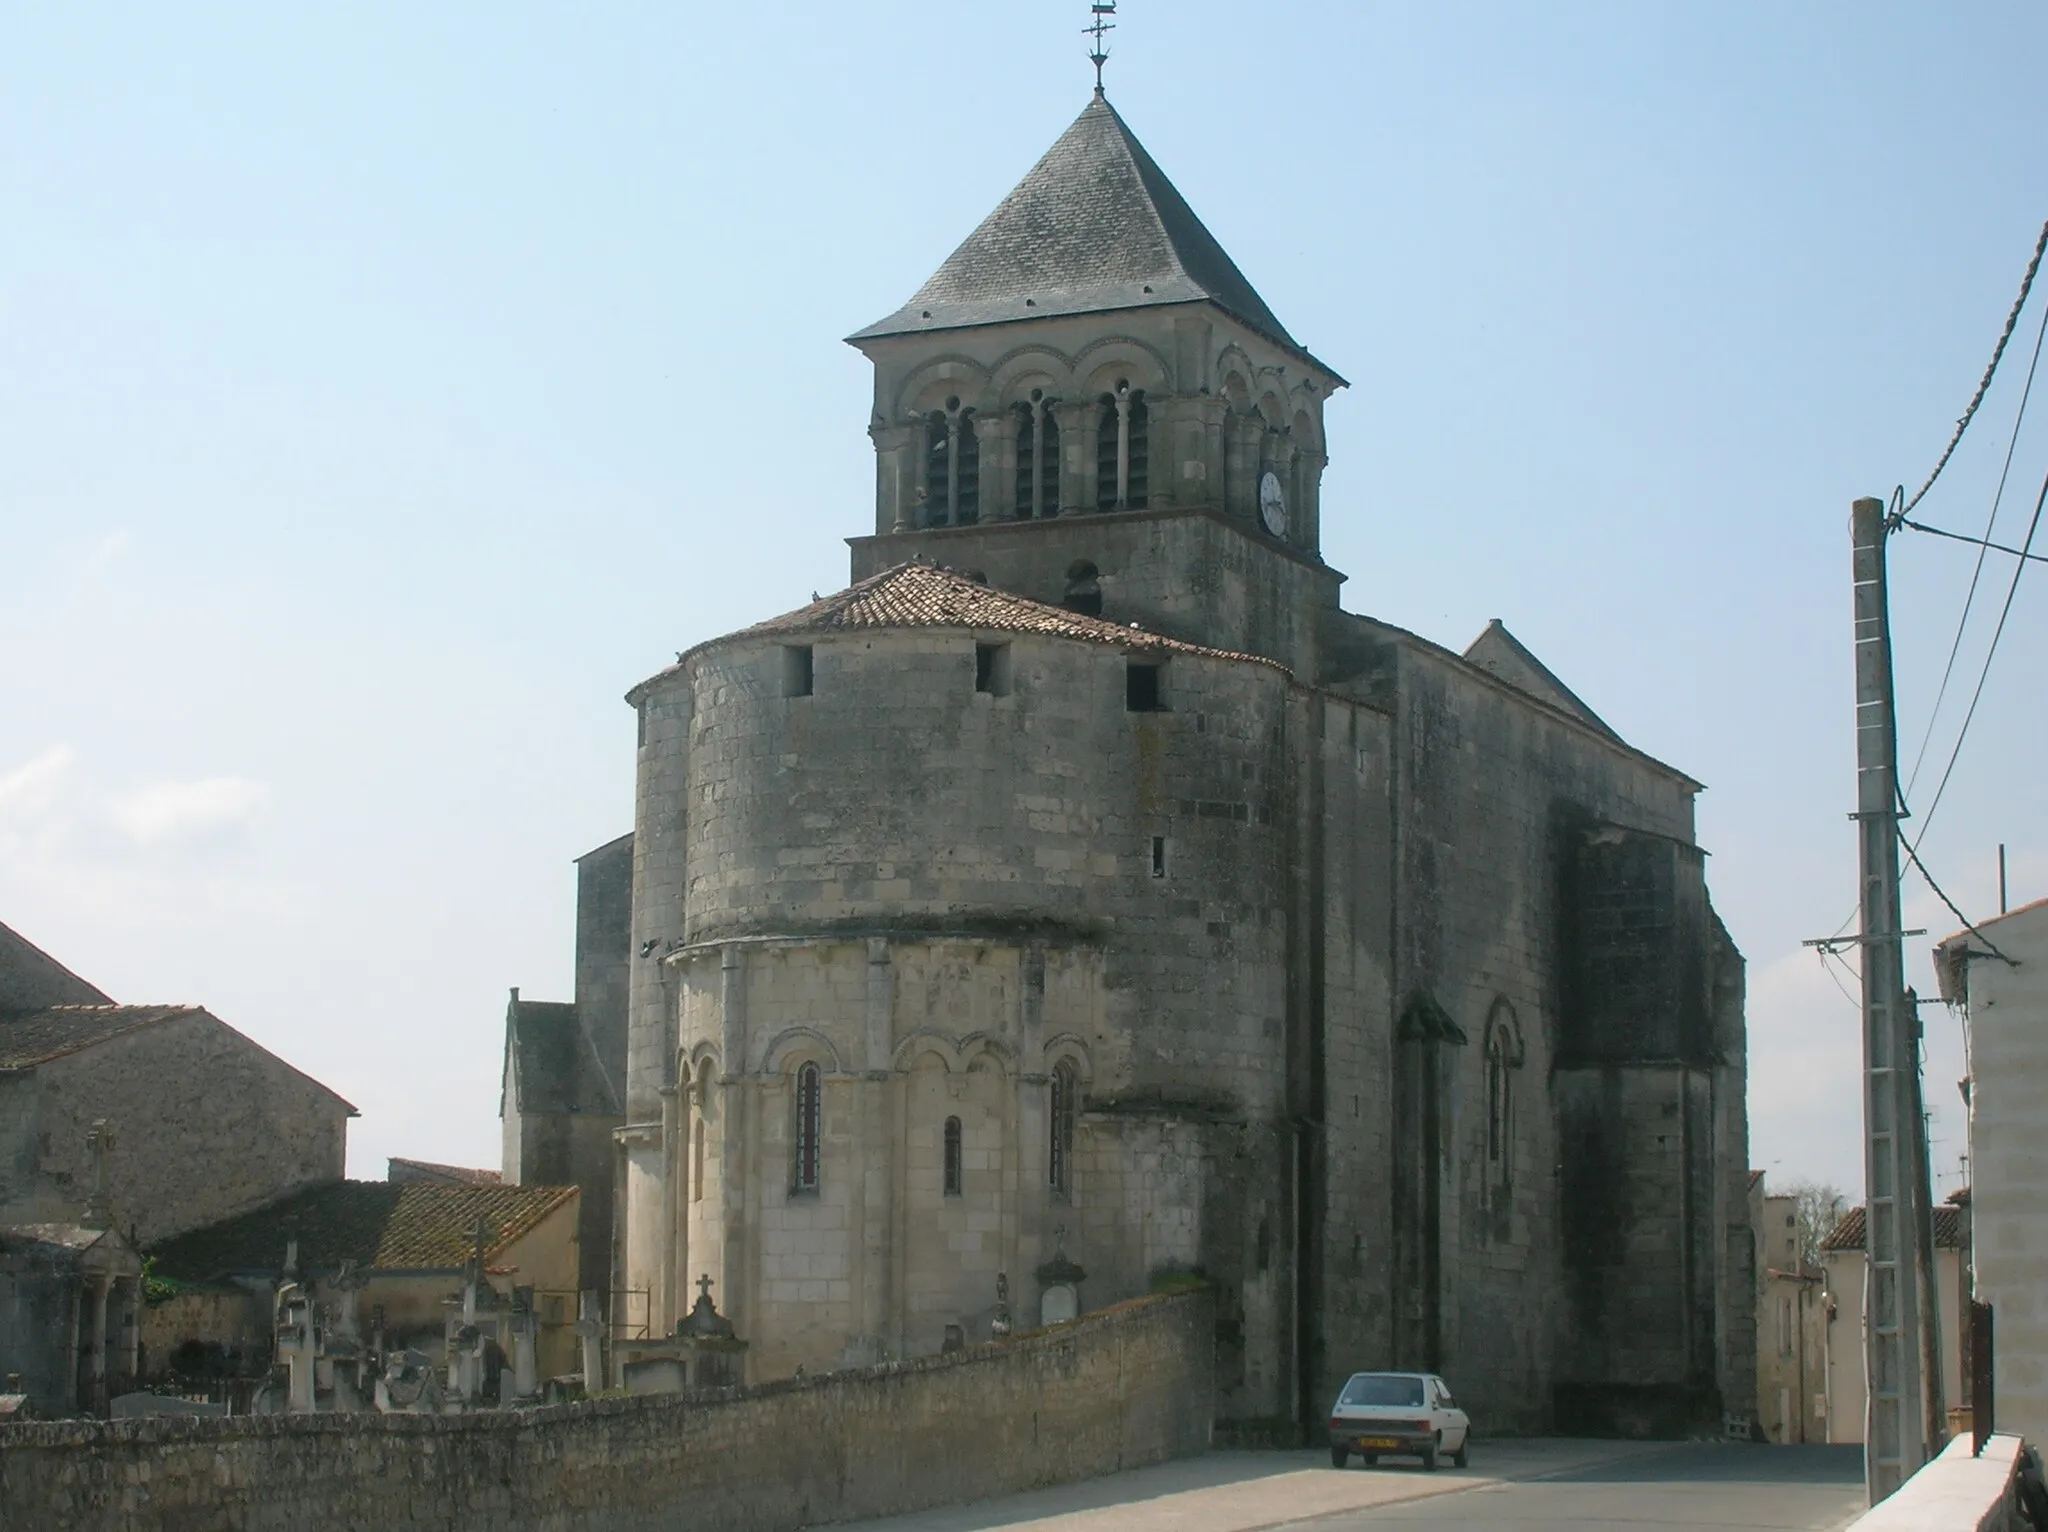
(1038, 457)
(952, 467)
(1123, 450)
(1084, 589)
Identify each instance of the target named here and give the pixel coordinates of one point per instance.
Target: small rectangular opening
(992, 669)
(796, 670)
(1142, 692)
(1158, 856)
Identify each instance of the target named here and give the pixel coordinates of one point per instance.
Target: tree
(1818, 1208)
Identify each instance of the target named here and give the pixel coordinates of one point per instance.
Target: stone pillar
(645, 1192)
(1308, 474)
(881, 1147)
(96, 1344)
(590, 1332)
(667, 1306)
(995, 432)
(131, 1331)
(1076, 421)
(1283, 465)
(897, 473)
(1244, 465)
(1122, 427)
(736, 1104)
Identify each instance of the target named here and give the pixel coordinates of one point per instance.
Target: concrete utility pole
(1896, 1436)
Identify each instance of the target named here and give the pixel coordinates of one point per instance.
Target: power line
(2018, 569)
(1975, 542)
(1990, 946)
(2011, 319)
(1984, 545)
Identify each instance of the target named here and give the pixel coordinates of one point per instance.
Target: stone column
(96, 1348)
(1308, 474)
(1077, 422)
(665, 1308)
(736, 1108)
(995, 432)
(645, 1193)
(1241, 478)
(881, 1148)
(897, 475)
(131, 1332)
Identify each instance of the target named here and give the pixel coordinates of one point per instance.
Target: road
(1539, 1485)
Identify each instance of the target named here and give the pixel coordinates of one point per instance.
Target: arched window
(697, 1162)
(1503, 1063)
(1084, 589)
(1038, 458)
(952, 1156)
(1066, 1091)
(1122, 451)
(807, 1108)
(952, 467)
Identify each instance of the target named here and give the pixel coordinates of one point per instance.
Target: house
(205, 1122)
(382, 1257)
(1842, 1256)
(1998, 974)
(1791, 1324)
(396, 1169)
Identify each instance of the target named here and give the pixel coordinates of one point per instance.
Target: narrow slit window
(1142, 690)
(953, 1156)
(697, 1163)
(1158, 856)
(992, 669)
(796, 670)
(808, 1104)
(1066, 1084)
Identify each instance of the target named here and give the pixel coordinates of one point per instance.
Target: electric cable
(1970, 596)
(2018, 569)
(1998, 351)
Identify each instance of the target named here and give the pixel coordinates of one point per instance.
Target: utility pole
(1895, 1436)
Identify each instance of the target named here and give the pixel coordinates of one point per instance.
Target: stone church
(1084, 899)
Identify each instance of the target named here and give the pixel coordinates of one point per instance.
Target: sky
(385, 389)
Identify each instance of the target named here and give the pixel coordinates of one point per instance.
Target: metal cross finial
(704, 1286)
(1099, 30)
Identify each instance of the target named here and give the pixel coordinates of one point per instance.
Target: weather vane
(1100, 30)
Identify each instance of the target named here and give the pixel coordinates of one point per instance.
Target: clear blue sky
(385, 389)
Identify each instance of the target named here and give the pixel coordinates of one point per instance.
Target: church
(1083, 901)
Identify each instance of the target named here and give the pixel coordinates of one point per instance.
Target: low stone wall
(1957, 1492)
(1130, 1385)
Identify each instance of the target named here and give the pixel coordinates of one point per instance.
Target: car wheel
(1339, 1457)
(1462, 1458)
(1429, 1453)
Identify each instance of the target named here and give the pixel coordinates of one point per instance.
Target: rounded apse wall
(960, 781)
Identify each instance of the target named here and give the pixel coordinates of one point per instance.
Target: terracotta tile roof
(1095, 226)
(380, 1225)
(397, 1169)
(926, 596)
(29, 1038)
(1848, 1234)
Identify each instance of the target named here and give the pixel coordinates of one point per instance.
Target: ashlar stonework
(1085, 890)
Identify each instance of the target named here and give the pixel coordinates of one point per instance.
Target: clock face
(1273, 505)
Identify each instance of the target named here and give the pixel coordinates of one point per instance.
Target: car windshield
(1383, 1388)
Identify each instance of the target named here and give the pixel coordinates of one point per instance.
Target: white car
(1409, 1413)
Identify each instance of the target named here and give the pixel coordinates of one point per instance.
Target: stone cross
(704, 1286)
(99, 1143)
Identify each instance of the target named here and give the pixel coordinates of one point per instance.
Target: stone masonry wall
(1116, 1390)
(206, 1125)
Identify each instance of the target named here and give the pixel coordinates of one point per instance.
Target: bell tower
(1088, 402)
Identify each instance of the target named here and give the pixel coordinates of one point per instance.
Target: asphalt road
(1545, 1484)
(1703, 1487)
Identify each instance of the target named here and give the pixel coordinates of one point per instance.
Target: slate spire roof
(1095, 226)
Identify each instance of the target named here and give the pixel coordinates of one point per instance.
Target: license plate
(1385, 1443)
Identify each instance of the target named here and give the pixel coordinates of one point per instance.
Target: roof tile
(1848, 1234)
(380, 1225)
(29, 1038)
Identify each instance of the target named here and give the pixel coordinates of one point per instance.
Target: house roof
(917, 595)
(380, 1225)
(1095, 226)
(31, 979)
(1848, 1234)
(29, 1038)
(32, 1038)
(398, 1169)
